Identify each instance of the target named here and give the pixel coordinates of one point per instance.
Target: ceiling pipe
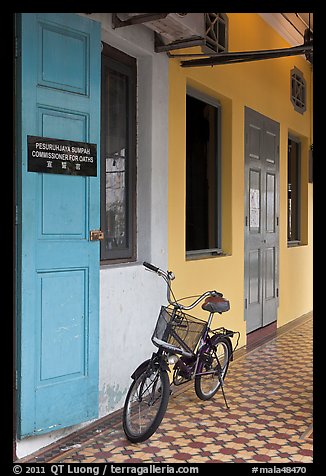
(246, 56)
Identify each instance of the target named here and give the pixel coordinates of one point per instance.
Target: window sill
(105, 263)
(293, 244)
(205, 254)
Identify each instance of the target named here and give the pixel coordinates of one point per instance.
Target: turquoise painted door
(58, 96)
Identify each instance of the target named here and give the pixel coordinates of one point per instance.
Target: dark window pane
(118, 155)
(202, 175)
(116, 163)
(293, 190)
(298, 90)
(222, 34)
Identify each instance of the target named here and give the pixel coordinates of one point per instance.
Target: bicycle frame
(204, 345)
(191, 359)
(168, 277)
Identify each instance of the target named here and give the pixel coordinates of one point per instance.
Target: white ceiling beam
(283, 28)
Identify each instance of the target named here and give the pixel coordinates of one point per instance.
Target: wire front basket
(177, 331)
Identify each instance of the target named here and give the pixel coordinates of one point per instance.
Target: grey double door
(261, 219)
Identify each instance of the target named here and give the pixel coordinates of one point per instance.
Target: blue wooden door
(58, 96)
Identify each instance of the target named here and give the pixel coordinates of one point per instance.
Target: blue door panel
(68, 72)
(52, 412)
(58, 264)
(63, 211)
(67, 124)
(62, 329)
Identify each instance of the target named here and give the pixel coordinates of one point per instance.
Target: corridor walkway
(269, 391)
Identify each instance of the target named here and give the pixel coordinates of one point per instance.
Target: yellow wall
(265, 87)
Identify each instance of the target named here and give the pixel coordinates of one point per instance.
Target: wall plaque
(57, 156)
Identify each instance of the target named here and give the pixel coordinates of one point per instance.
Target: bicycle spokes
(146, 403)
(212, 369)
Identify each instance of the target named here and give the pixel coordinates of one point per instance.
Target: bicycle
(187, 343)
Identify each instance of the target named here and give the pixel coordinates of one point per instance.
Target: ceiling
(185, 30)
(291, 26)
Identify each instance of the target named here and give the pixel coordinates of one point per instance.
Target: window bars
(298, 90)
(216, 35)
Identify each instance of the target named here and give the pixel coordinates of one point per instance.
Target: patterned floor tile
(269, 390)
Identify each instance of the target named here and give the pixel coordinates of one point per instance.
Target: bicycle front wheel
(146, 404)
(213, 367)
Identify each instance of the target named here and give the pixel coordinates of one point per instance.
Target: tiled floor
(269, 391)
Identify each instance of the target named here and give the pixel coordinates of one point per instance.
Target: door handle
(96, 235)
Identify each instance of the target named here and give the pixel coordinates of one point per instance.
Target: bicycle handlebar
(168, 276)
(150, 266)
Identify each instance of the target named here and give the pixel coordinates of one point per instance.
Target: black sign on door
(57, 156)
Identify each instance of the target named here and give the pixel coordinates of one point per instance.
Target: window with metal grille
(298, 90)
(216, 25)
(118, 155)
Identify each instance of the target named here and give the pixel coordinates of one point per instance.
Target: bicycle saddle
(216, 304)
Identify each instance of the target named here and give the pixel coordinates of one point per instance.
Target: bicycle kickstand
(222, 388)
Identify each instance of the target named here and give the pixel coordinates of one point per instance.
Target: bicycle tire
(139, 425)
(213, 381)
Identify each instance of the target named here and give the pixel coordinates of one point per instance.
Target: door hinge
(17, 52)
(276, 292)
(16, 215)
(246, 303)
(276, 221)
(246, 221)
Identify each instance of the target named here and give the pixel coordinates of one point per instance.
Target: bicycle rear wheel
(146, 404)
(215, 361)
